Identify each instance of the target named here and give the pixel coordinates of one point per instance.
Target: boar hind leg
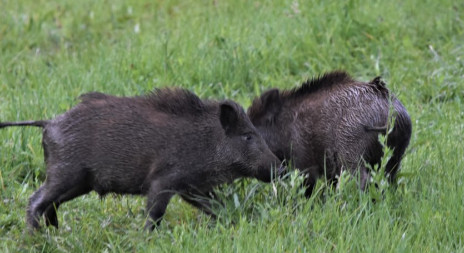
(50, 195)
(33, 214)
(157, 201)
(202, 201)
(50, 212)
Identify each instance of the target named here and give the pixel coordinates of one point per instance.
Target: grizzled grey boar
(330, 124)
(165, 143)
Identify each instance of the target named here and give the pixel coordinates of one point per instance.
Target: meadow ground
(50, 52)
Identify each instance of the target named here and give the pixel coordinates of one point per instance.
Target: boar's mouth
(282, 170)
(270, 172)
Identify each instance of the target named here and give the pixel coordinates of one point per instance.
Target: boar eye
(247, 137)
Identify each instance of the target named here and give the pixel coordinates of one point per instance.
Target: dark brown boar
(168, 142)
(332, 123)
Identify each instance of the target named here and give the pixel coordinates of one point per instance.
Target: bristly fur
(160, 144)
(322, 82)
(380, 86)
(93, 96)
(315, 124)
(176, 101)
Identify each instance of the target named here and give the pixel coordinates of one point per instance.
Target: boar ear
(229, 116)
(272, 103)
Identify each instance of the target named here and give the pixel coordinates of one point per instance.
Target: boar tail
(38, 123)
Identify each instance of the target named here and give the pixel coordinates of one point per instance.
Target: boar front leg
(364, 178)
(157, 201)
(309, 183)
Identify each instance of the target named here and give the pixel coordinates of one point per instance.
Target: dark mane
(379, 85)
(322, 82)
(169, 100)
(92, 96)
(175, 101)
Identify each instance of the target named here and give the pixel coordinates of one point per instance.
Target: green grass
(52, 51)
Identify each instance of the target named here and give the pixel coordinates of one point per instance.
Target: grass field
(52, 51)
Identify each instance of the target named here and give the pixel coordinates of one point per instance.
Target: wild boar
(330, 124)
(161, 144)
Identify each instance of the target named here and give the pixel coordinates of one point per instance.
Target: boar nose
(280, 167)
(281, 170)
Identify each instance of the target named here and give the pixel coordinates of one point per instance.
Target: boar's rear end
(332, 123)
(168, 142)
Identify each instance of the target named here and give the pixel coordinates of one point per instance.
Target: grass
(50, 52)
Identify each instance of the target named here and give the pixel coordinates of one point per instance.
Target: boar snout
(270, 169)
(282, 170)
